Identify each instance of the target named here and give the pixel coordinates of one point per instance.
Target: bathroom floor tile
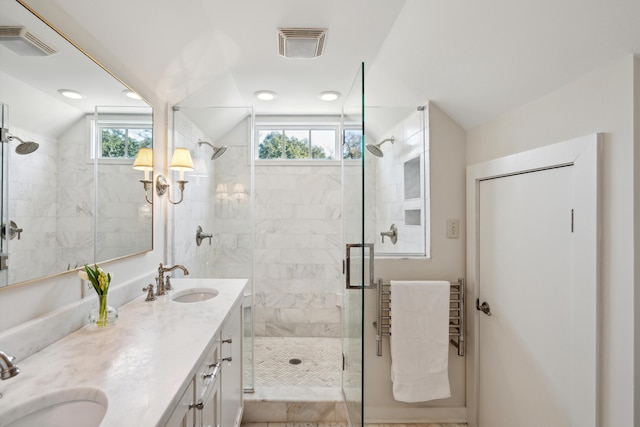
(320, 362)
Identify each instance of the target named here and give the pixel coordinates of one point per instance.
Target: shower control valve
(392, 234)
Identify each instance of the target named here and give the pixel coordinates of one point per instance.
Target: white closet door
(526, 277)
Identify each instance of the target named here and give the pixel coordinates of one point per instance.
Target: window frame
(96, 137)
(308, 126)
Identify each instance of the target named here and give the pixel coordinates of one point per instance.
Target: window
(297, 142)
(123, 141)
(352, 145)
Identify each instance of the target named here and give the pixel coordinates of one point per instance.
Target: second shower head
(375, 148)
(217, 151)
(25, 147)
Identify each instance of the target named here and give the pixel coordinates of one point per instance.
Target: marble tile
(265, 412)
(311, 411)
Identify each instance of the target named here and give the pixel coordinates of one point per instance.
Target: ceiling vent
(23, 42)
(301, 42)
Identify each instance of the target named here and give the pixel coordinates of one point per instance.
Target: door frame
(583, 154)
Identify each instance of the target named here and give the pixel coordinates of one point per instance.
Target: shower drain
(295, 361)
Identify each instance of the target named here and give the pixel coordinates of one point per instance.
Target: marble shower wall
(401, 197)
(295, 253)
(51, 197)
(233, 246)
(33, 206)
(298, 250)
(197, 208)
(75, 196)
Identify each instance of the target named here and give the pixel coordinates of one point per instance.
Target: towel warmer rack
(456, 315)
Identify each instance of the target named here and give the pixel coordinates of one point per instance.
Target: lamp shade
(181, 160)
(144, 160)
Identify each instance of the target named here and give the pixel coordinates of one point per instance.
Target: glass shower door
(4, 214)
(355, 251)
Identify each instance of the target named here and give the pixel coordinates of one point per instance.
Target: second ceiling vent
(301, 42)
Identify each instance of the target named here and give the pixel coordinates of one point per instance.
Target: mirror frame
(95, 164)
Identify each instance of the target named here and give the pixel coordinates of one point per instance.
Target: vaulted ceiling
(475, 60)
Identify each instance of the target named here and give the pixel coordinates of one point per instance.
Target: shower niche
(397, 190)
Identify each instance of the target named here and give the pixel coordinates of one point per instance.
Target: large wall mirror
(73, 198)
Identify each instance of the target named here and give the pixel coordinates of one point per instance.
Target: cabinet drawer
(208, 372)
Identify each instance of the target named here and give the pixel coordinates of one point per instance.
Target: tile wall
(298, 250)
(393, 198)
(197, 209)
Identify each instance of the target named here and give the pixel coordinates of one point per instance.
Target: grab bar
(456, 315)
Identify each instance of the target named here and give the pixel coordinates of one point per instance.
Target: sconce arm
(162, 186)
(147, 185)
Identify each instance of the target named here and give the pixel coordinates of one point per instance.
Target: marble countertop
(141, 363)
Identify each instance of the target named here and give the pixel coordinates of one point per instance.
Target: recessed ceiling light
(70, 93)
(330, 95)
(265, 95)
(131, 94)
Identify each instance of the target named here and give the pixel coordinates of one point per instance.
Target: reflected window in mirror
(123, 141)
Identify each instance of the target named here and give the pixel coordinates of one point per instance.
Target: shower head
(375, 148)
(217, 151)
(25, 147)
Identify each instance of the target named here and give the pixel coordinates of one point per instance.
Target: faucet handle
(149, 291)
(167, 284)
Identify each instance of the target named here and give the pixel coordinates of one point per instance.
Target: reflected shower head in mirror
(217, 151)
(25, 147)
(375, 149)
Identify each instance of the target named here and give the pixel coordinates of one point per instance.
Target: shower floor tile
(320, 362)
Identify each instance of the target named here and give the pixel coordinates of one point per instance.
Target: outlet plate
(453, 228)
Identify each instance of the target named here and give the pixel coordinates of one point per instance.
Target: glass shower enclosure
(356, 250)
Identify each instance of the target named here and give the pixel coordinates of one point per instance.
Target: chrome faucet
(8, 368)
(163, 286)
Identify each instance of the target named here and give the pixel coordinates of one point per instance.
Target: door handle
(346, 265)
(484, 307)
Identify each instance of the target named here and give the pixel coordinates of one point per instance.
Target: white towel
(420, 340)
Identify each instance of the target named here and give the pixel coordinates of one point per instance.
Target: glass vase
(104, 314)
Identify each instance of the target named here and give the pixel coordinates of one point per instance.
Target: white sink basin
(194, 295)
(79, 406)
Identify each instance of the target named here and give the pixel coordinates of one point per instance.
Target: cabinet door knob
(227, 359)
(227, 341)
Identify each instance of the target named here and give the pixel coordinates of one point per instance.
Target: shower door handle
(347, 266)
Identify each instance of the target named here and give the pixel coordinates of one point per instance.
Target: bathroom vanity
(176, 361)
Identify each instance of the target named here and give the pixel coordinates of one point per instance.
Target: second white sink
(194, 295)
(80, 406)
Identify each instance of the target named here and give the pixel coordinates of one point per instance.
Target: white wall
(22, 303)
(447, 262)
(602, 101)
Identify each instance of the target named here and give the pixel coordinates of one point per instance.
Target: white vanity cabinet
(214, 395)
(183, 414)
(207, 392)
(231, 371)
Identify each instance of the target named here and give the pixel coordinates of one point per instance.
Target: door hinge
(572, 220)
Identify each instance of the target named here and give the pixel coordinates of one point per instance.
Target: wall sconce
(181, 161)
(144, 162)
